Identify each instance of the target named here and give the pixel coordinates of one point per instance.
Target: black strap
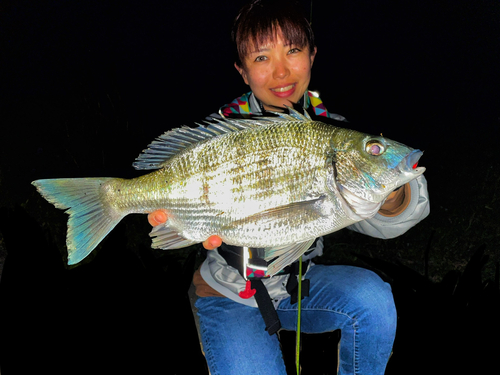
(292, 286)
(233, 257)
(266, 307)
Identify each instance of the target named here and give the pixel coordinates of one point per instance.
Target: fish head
(371, 167)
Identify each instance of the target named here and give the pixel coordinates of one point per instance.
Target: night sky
(86, 85)
(116, 74)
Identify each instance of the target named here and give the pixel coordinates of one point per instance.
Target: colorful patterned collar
(248, 104)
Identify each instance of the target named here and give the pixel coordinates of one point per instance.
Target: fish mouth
(408, 167)
(410, 162)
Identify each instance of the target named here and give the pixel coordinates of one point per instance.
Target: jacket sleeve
(385, 227)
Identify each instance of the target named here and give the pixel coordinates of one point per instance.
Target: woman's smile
(284, 91)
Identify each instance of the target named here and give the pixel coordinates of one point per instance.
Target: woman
(275, 53)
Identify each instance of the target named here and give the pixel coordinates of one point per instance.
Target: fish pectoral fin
(285, 255)
(166, 238)
(282, 215)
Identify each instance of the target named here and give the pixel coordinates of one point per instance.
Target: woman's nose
(281, 70)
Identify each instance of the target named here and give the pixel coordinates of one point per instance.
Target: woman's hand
(396, 202)
(160, 216)
(157, 217)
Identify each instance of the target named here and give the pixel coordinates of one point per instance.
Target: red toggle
(248, 292)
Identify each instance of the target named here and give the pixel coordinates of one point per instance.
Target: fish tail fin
(90, 218)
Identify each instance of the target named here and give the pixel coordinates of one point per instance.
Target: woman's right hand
(160, 217)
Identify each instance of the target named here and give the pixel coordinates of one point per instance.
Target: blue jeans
(354, 300)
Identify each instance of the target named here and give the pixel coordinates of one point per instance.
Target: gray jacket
(228, 281)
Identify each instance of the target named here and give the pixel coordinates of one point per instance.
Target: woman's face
(278, 74)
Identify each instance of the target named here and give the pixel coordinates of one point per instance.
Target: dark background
(86, 85)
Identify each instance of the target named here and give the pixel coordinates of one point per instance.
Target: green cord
(299, 293)
(299, 309)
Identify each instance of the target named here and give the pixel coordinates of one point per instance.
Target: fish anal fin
(285, 255)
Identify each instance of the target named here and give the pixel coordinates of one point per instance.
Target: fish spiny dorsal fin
(297, 115)
(173, 141)
(292, 115)
(252, 122)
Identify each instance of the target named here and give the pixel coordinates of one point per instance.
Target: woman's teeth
(283, 89)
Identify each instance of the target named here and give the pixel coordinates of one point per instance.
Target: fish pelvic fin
(167, 238)
(285, 255)
(90, 219)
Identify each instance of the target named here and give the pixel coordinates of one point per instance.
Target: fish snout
(410, 162)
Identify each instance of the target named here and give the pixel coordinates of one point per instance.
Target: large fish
(273, 183)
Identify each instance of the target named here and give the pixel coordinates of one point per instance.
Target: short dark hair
(260, 20)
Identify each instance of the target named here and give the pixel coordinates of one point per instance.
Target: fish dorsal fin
(173, 141)
(292, 115)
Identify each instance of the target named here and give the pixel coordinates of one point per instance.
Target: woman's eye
(374, 147)
(260, 58)
(294, 50)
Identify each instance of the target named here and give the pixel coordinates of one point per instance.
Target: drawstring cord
(299, 310)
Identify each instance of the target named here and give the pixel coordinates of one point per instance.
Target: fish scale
(276, 183)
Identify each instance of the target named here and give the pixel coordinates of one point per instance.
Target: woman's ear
(242, 72)
(313, 55)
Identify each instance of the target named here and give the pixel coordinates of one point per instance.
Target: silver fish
(275, 183)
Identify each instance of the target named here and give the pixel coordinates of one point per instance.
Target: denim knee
(374, 299)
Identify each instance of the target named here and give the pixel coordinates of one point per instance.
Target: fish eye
(374, 147)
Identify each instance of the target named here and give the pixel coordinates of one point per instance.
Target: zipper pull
(248, 292)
